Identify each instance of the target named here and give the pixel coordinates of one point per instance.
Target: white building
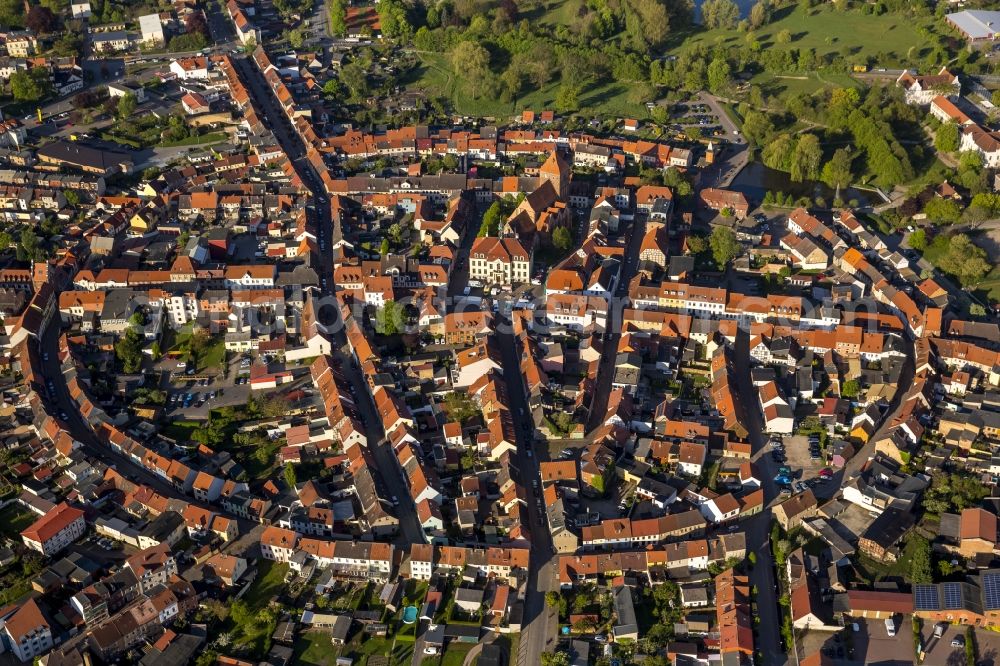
(80, 10)
(55, 530)
(499, 261)
(26, 632)
(152, 30)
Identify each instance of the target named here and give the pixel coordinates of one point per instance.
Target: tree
(554, 659)
(562, 239)
(471, 63)
(332, 89)
(784, 37)
(338, 17)
(965, 260)
(389, 319)
(697, 244)
(806, 158)
(724, 246)
(918, 240)
(296, 38)
(939, 209)
(760, 14)
(6, 240)
(26, 87)
(568, 97)
(195, 24)
(384, 247)
(946, 137)
(719, 75)
(648, 23)
(490, 225)
(837, 172)
(393, 20)
(40, 20)
(126, 106)
(777, 154)
(850, 389)
(720, 14)
(556, 600)
(920, 561)
(977, 310)
(128, 350)
(30, 247)
(354, 75)
(68, 45)
(757, 128)
(290, 480)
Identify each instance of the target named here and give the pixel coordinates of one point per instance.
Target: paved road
(606, 368)
(83, 433)
(757, 529)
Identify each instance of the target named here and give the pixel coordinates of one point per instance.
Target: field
(889, 41)
(435, 76)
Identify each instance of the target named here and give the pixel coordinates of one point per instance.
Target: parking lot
(805, 470)
(872, 645)
(940, 651)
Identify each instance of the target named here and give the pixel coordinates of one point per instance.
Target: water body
(744, 6)
(755, 180)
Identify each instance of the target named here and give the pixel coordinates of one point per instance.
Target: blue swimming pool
(409, 615)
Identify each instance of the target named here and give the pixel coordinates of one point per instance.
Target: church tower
(556, 170)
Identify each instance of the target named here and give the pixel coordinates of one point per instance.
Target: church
(545, 209)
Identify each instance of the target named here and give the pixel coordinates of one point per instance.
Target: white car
(430, 649)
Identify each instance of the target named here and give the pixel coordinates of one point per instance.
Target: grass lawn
(252, 627)
(211, 137)
(315, 649)
(13, 519)
(454, 654)
(177, 340)
(784, 86)
(180, 431)
(827, 30)
(214, 355)
(989, 288)
(362, 647)
(270, 581)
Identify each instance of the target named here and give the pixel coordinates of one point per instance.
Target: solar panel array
(952, 595)
(991, 590)
(925, 597)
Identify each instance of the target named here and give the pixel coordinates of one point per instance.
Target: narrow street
(758, 528)
(613, 330)
(84, 433)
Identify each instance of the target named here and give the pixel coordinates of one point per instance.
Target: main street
(540, 622)
(387, 469)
